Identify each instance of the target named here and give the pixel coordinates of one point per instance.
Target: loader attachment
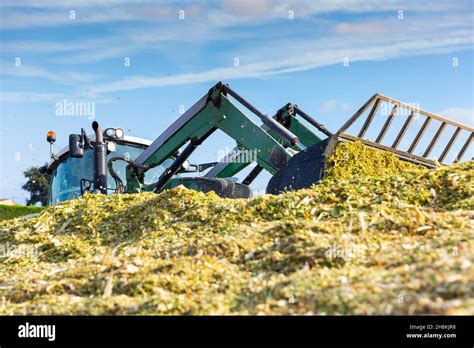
(308, 166)
(215, 110)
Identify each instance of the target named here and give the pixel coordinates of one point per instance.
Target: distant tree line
(37, 184)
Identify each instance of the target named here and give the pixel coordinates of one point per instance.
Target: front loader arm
(216, 111)
(287, 117)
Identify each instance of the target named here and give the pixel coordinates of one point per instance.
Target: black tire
(222, 187)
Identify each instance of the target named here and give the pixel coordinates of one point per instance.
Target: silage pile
(400, 244)
(354, 159)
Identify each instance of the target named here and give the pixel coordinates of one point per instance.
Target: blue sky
(288, 51)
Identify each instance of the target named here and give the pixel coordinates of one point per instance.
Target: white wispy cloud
(62, 77)
(97, 56)
(39, 46)
(223, 13)
(332, 105)
(314, 56)
(56, 3)
(328, 106)
(19, 15)
(22, 97)
(158, 23)
(18, 19)
(50, 97)
(310, 44)
(371, 27)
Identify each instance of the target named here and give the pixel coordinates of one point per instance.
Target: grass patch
(13, 211)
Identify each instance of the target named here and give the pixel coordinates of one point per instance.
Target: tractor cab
(105, 162)
(72, 176)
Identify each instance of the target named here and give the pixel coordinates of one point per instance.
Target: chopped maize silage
(355, 159)
(399, 244)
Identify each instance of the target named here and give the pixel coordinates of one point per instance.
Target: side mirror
(85, 186)
(43, 169)
(76, 146)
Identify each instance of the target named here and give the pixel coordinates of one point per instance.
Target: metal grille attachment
(377, 100)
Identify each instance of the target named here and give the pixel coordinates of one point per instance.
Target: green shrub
(13, 211)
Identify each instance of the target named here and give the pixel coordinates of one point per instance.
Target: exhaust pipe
(100, 160)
